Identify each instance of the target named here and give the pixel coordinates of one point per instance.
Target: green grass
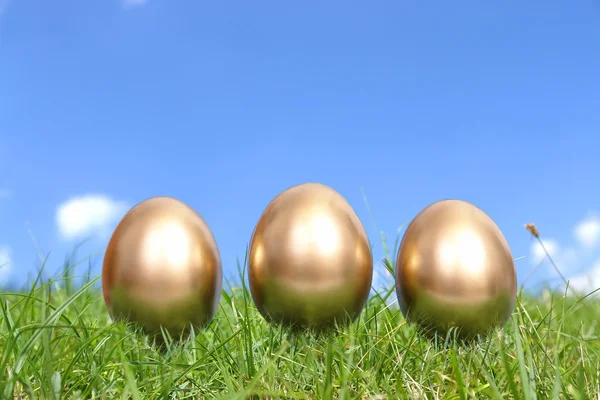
(57, 341)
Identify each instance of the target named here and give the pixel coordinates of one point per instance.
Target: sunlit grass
(58, 342)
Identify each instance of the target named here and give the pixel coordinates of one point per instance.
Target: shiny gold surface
(162, 268)
(310, 264)
(455, 269)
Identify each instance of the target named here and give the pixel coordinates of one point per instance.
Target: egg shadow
(449, 337)
(162, 341)
(321, 332)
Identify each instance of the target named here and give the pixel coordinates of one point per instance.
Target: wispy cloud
(574, 261)
(538, 253)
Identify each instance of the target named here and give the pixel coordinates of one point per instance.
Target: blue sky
(225, 104)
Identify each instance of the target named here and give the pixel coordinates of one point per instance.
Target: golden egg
(162, 268)
(455, 270)
(310, 263)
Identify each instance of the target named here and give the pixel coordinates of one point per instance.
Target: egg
(455, 270)
(162, 268)
(309, 263)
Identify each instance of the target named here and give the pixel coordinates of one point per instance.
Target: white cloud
(566, 260)
(570, 260)
(586, 282)
(5, 261)
(87, 215)
(538, 253)
(132, 3)
(587, 232)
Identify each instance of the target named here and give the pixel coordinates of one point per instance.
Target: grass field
(57, 341)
